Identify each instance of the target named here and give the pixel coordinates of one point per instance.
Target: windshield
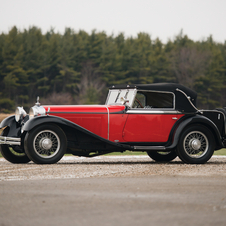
(119, 96)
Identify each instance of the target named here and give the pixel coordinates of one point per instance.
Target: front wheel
(196, 145)
(13, 154)
(45, 144)
(162, 156)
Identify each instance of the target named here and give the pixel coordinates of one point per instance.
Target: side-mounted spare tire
(196, 145)
(45, 144)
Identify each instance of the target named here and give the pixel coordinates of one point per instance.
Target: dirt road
(113, 191)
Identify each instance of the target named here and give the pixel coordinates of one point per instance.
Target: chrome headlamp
(20, 113)
(36, 110)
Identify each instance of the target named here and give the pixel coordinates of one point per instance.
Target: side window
(140, 101)
(151, 99)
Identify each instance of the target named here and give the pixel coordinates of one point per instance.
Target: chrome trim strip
(214, 110)
(94, 113)
(73, 112)
(152, 111)
(189, 99)
(157, 148)
(108, 121)
(10, 140)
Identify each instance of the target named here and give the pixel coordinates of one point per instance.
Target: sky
(160, 18)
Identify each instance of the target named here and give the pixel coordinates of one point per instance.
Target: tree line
(78, 67)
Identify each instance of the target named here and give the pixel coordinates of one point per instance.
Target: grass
(220, 152)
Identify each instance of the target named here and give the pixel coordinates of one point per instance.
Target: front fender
(7, 121)
(198, 119)
(85, 139)
(13, 127)
(30, 124)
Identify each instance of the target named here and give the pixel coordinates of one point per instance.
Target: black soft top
(180, 91)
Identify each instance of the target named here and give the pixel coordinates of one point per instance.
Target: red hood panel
(83, 108)
(94, 118)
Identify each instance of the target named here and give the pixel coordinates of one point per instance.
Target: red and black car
(160, 119)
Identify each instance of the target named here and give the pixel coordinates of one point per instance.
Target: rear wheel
(196, 145)
(162, 156)
(45, 144)
(13, 154)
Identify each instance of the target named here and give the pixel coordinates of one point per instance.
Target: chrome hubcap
(196, 144)
(46, 144)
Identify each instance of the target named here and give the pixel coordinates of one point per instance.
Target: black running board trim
(156, 148)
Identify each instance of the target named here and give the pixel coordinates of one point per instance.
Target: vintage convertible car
(160, 119)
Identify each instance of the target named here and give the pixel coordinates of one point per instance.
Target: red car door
(144, 125)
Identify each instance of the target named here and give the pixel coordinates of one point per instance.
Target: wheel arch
(7, 121)
(62, 123)
(38, 150)
(12, 127)
(36, 121)
(197, 120)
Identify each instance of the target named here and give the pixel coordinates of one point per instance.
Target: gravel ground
(113, 190)
(108, 166)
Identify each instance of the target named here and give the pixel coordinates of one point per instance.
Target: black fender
(31, 123)
(78, 137)
(14, 129)
(197, 119)
(7, 121)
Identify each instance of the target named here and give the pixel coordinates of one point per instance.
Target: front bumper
(10, 140)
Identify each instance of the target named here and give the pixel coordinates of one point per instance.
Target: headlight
(36, 110)
(20, 113)
(31, 113)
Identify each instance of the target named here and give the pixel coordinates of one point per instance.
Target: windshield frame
(121, 96)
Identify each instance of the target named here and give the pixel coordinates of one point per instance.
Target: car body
(160, 119)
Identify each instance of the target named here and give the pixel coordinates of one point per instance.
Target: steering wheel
(137, 104)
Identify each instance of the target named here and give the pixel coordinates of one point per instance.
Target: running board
(154, 148)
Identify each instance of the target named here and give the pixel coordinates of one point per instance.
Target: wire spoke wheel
(46, 144)
(196, 144)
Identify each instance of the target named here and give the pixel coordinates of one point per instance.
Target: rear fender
(198, 119)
